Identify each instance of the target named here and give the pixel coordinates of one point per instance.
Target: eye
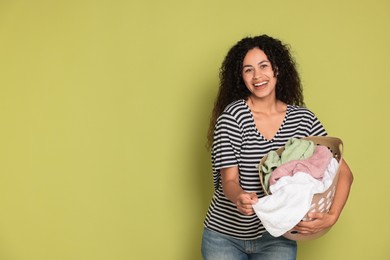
(247, 70)
(263, 66)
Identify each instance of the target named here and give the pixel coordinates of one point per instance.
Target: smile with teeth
(261, 84)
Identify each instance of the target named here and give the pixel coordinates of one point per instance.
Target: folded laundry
(291, 199)
(315, 165)
(295, 149)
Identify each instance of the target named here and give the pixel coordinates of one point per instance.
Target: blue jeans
(217, 246)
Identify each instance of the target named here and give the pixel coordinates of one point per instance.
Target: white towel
(291, 199)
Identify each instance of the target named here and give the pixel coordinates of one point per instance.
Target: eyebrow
(245, 66)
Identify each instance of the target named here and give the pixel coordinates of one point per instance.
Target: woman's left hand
(318, 222)
(321, 221)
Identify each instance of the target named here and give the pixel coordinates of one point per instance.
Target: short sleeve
(227, 143)
(317, 129)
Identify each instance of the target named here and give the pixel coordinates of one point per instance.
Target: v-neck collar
(280, 127)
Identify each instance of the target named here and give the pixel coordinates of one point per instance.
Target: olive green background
(104, 109)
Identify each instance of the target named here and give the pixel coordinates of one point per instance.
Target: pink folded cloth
(315, 165)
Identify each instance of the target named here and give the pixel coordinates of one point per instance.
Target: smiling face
(258, 74)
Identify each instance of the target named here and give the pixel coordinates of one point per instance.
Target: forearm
(232, 190)
(230, 184)
(342, 190)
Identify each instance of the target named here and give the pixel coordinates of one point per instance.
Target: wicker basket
(321, 201)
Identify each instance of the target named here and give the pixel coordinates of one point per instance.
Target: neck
(263, 106)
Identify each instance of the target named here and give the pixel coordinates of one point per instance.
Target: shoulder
(235, 114)
(236, 111)
(300, 111)
(235, 107)
(306, 119)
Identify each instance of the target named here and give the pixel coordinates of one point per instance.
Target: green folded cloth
(297, 149)
(294, 149)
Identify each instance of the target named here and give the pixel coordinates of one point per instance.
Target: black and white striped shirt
(237, 142)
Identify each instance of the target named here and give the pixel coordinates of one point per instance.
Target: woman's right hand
(245, 201)
(233, 191)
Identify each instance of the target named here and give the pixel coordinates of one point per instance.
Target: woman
(258, 108)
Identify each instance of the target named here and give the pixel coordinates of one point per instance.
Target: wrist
(334, 216)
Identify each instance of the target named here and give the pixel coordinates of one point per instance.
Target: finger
(245, 203)
(315, 215)
(253, 197)
(245, 209)
(305, 225)
(304, 230)
(249, 212)
(247, 206)
(246, 199)
(299, 231)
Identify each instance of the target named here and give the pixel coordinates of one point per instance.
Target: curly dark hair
(232, 87)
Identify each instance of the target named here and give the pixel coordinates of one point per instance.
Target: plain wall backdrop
(104, 109)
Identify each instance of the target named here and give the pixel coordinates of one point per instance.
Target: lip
(260, 84)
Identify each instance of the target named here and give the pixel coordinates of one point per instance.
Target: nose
(256, 74)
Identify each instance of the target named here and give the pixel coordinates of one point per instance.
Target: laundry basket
(321, 201)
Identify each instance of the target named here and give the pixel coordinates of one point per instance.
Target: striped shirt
(237, 142)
